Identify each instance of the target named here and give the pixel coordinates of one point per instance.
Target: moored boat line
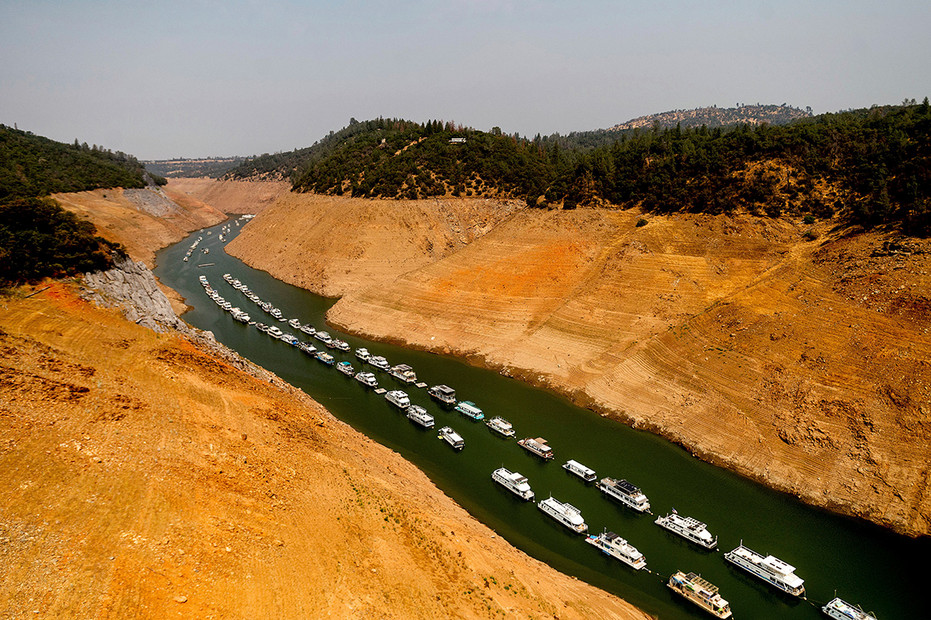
(770, 569)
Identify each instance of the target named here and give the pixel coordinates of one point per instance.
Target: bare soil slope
(143, 220)
(800, 363)
(142, 477)
(227, 196)
(333, 245)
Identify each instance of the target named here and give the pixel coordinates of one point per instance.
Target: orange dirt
(800, 363)
(124, 216)
(141, 476)
(346, 243)
(227, 196)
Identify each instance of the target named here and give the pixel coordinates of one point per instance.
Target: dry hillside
(800, 363)
(143, 220)
(141, 476)
(334, 245)
(227, 196)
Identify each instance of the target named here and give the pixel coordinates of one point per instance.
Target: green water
(862, 563)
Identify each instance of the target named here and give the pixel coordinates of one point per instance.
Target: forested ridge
(32, 165)
(871, 166)
(37, 237)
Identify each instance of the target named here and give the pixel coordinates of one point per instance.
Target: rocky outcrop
(132, 287)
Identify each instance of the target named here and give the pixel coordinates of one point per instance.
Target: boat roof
(402, 367)
(445, 389)
(576, 464)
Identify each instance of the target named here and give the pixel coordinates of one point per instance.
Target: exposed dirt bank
(143, 220)
(800, 363)
(333, 245)
(143, 477)
(227, 196)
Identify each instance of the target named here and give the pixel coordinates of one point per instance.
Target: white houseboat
(500, 426)
(583, 472)
(443, 394)
(626, 493)
(689, 529)
(514, 482)
(419, 415)
(378, 362)
(839, 609)
(770, 569)
(564, 513)
(398, 399)
(403, 372)
(451, 437)
(367, 379)
(618, 548)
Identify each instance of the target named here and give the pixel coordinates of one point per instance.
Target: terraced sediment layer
(149, 475)
(797, 357)
(233, 197)
(333, 245)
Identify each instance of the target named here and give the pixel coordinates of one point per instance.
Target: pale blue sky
(205, 77)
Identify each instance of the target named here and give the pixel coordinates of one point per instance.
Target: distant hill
(718, 117)
(213, 167)
(31, 165)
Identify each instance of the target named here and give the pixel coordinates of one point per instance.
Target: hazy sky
(163, 79)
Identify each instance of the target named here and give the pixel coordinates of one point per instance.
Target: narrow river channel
(861, 563)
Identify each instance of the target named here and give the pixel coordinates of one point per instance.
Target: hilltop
(32, 165)
(867, 165)
(717, 117)
(211, 167)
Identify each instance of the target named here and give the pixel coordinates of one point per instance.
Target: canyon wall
(795, 355)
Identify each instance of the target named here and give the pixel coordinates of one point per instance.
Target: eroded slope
(734, 336)
(143, 477)
(332, 245)
(227, 196)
